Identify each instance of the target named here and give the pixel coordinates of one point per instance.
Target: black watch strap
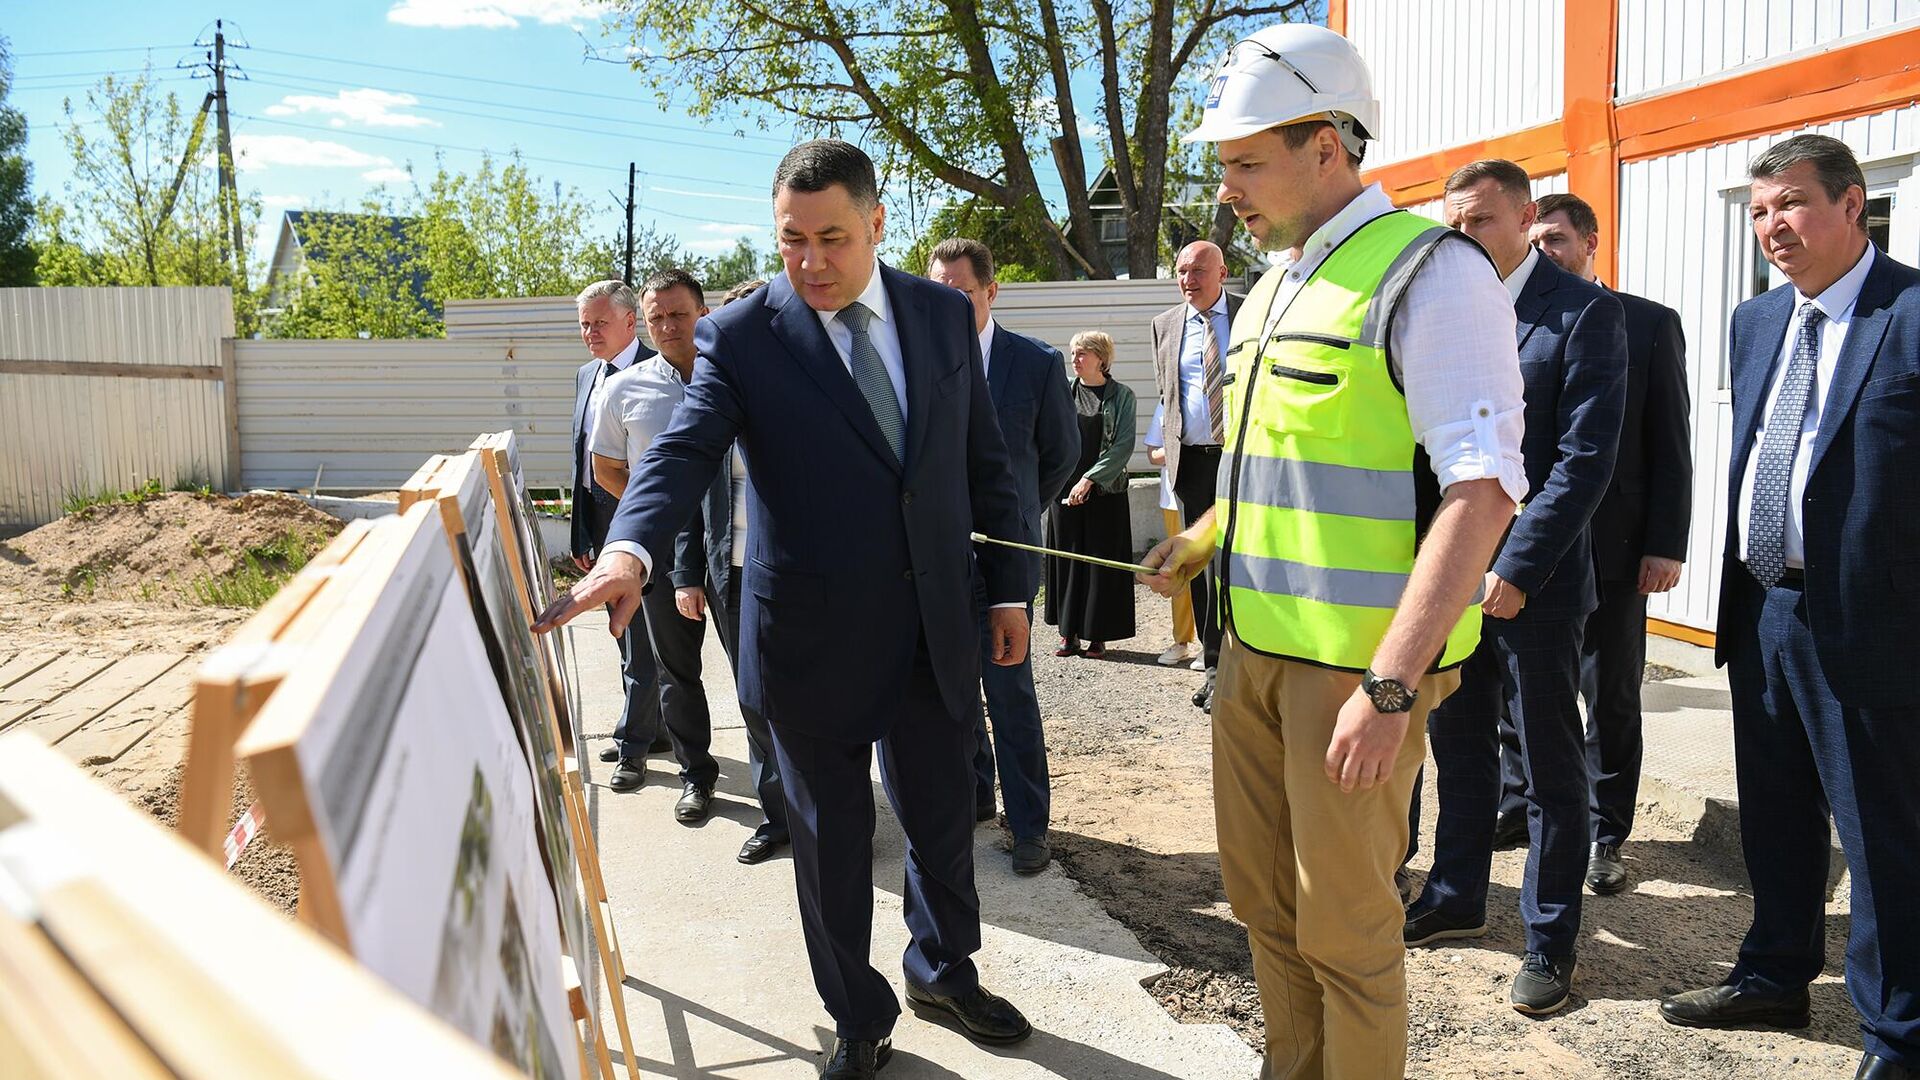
(1388, 695)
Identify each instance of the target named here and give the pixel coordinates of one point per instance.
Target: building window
(1113, 230)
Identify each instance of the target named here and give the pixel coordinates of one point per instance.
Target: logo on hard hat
(1213, 94)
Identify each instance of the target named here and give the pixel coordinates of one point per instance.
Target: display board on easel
(388, 760)
(124, 952)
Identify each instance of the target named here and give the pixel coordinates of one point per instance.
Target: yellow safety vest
(1325, 492)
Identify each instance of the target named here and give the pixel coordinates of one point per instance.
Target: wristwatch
(1388, 695)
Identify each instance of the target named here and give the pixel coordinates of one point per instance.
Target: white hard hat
(1288, 73)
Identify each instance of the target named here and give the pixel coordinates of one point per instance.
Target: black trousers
(1194, 485)
(675, 641)
(761, 759)
(927, 768)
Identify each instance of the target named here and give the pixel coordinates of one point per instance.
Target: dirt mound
(158, 548)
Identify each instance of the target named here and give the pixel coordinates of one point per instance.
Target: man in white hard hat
(1372, 460)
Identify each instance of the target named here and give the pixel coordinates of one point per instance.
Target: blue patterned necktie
(1773, 477)
(870, 375)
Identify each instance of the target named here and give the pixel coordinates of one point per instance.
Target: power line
(548, 125)
(95, 52)
(575, 113)
(574, 91)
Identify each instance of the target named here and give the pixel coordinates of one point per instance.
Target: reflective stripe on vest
(1317, 501)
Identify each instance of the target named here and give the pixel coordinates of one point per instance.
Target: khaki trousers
(1309, 869)
(1183, 601)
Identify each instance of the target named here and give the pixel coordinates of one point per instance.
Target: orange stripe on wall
(1539, 150)
(1680, 632)
(1869, 77)
(1337, 16)
(1587, 119)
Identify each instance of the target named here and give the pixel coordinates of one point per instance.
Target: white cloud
(259, 152)
(373, 108)
(761, 199)
(719, 245)
(282, 202)
(386, 174)
(487, 14)
(731, 230)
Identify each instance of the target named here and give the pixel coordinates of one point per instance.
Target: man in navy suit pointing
(861, 409)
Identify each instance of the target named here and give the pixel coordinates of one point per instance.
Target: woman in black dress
(1084, 600)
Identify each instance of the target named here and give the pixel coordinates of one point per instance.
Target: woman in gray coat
(1084, 600)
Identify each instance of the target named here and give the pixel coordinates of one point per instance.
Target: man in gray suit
(1189, 364)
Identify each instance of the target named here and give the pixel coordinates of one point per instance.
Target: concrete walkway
(718, 982)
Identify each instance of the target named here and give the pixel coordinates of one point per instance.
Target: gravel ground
(1133, 824)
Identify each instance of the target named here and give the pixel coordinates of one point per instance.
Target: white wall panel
(1674, 239)
(71, 434)
(1455, 71)
(1668, 43)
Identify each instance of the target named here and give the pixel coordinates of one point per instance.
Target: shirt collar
(624, 358)
(1219, 306)
(986, 340)
(1516, 282)
(1369, 204)
(1839, 297)
(873, 298)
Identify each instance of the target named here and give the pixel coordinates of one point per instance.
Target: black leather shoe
(1433, 925)
(1875, 1067)
(1510, 831)
(1543, 984)
(759, 848)
(695, 804)
(1606, 874)
(611, 754)
(983, 1017)
(1031, 856)
(1203, 697)
(628, 776)
(1723, 1006)
(984, 812)
(856, 1059)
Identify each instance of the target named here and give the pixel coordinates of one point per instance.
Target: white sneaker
(1199, 662)
(1176, 653)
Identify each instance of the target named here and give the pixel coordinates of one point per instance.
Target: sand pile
(156, 549)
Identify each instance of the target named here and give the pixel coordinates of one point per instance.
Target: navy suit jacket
(856, 564)
(1573, 359)
(1028, 382)
(1861, 512)
(592, 504)
(1649, 505)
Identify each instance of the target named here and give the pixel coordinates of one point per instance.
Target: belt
(1200, 448)
(1792, 577)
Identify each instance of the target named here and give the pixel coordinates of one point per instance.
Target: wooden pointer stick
(982, 538)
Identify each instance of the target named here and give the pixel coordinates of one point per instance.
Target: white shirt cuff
(1014, 604)
(633, 549)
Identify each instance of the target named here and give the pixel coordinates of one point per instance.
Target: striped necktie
(1212, 378)
(1773, 476)
(870, 375)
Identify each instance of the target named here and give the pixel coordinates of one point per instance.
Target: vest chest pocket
(1299, 386)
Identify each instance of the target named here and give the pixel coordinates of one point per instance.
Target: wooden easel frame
(439, 481)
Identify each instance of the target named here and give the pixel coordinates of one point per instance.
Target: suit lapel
(1871, 314)
(1752, 370)
(998, 366)
(799, 329)
(916, 356)
(1533, 300)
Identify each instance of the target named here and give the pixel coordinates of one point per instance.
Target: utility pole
(229, 189)
(627, 275)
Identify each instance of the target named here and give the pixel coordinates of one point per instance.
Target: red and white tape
(244, 831)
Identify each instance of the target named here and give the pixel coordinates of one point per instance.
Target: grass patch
(83, 502)
(261, 571)
(80, 584)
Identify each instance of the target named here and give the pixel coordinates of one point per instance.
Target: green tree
(142, 206)
(492, 233)
(744, 263)
(16, 206)
(364, 276)
(1017, 254)
(977, 95)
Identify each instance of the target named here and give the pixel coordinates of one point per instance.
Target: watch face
(1390, 696)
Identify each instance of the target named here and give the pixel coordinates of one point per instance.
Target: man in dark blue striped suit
(1572, 343)
(1820, 608)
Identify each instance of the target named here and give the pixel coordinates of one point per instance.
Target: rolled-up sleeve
(1452, 345)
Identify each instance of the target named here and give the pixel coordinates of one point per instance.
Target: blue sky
(345, 94)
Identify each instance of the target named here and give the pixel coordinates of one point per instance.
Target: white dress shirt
(621, 361)
(986, 348)
(1836, 303)
(1516, 282)
(1452, 344)
(1156, 437)
(884, 332)
(1196, 421)
(635, 407)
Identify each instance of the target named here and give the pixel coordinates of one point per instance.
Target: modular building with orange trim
(1650, 110)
